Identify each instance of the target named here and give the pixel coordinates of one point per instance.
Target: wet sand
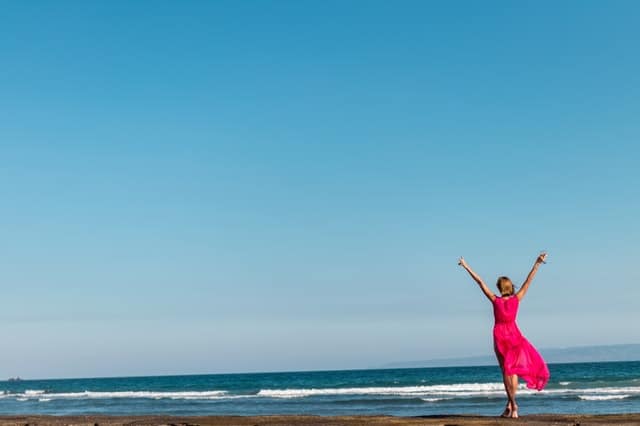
(444, 420)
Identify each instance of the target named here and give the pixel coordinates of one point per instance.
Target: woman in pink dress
(516, 356)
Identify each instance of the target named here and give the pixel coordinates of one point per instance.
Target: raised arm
(477, 279)
(525, 286)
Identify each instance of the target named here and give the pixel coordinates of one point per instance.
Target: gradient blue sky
(195, 187)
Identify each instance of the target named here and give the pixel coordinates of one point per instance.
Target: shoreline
(307, 420)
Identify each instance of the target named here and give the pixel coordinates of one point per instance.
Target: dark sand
(539, 419)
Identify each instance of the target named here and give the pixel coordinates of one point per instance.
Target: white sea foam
(598, 394)
(431, 393)
(122, 394)
(633, 390)
(434, 392)
(459, 389)
(602, 397)
(217, 397)
(564, 383)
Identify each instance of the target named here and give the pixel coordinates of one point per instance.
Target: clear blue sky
(193, 187)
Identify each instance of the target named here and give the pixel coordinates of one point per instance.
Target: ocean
(604, 387)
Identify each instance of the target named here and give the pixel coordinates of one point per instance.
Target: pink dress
(515, 354)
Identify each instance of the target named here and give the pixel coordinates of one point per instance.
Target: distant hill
(627, 352)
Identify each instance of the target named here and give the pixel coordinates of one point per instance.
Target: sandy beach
(539, 419)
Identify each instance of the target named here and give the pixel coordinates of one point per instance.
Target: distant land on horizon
(602, 353)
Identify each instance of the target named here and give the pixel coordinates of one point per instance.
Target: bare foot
(507, 411)
(514, 413)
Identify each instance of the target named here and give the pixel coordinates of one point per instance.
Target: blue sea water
(612, 387)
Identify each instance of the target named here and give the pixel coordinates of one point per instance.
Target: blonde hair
(505, 286)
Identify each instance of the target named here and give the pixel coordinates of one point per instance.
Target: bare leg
(513, 387)
(507, 384)
(507, 387)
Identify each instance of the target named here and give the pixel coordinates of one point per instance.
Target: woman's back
(505, 309)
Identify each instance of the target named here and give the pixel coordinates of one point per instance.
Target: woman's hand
(542, 258)
(461, 262)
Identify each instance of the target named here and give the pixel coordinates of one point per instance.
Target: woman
(516, 356)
